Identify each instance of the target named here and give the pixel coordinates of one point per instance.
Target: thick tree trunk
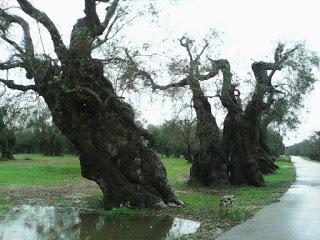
(265, 158)
(7, 150)
(240, 139)
(7, 146)
(208, 166)
(247, 159)
(188, 155)
(114, 152)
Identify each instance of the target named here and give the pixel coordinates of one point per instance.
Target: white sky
(251, 30)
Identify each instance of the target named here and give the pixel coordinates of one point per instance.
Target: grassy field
(60, 176)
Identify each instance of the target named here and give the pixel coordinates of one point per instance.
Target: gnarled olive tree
(114, 151)
(297, 81)
(246, 156)
(208, 166)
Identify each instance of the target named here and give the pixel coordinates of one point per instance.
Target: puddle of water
(42, 223)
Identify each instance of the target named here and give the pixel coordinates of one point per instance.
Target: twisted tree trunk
(265, 159)
(241, 138)
(7, 147)
(241, 133)
(114, 151)
(7, 143)
(208, 166)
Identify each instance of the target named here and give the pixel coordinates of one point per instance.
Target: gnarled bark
(114, 151)
(208, 166)
(239, 138)
(248, 158)
(7, 146)
(265, 159)
(241, 133)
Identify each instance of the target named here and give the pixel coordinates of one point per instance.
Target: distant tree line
(27, 128)
(178, 138)
(39, 135)
(308, 148)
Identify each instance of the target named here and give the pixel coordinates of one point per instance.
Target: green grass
(41, 170)
(57, 171)
(199, 198)
(202, 203)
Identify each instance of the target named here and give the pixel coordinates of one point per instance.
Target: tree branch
(12, 43)
(228, 98)
(28, 44)
(202, 51)
(264, 80)
(110, 13)
(10, 84)
(184, 43)
(10, 65)
(29, 9)
(91, 13)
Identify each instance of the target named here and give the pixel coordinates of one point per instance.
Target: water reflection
(42, 223)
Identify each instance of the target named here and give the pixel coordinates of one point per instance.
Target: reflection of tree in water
(41, 223)
(52, 223)
(124, 228)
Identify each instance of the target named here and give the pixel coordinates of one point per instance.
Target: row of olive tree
(38, 134)
(242, 155)
(176, 138)
(115, 151)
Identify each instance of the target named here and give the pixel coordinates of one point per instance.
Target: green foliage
(297, 80)
(40, 135)
(275, 142)
(173, 137)
(309, 148)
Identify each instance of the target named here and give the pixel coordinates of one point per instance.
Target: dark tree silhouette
(114, 151)
(208, 166)
(246, 156)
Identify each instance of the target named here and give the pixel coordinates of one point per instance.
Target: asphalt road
(295, 217)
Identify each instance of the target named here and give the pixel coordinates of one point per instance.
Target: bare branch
(28, 44)
(181, 83)
(264, 86)
(228, 98)
(10, 65)
(42, 17)
(202, 51)
(10, 84)
(107, 36)
(12, 43)
(90, 9)
(185, 44)
(110, 13)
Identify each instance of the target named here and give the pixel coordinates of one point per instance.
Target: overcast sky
(250, 29)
